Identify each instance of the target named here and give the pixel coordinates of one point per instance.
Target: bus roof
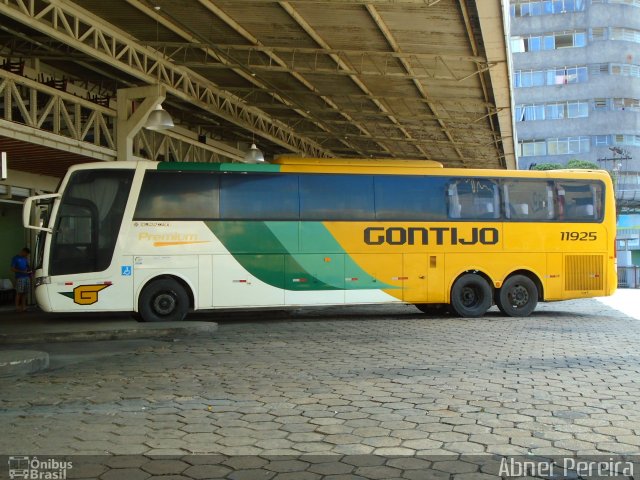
(356, 162)
(352, 166)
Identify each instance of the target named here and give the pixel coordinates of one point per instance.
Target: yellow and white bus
(159, 239)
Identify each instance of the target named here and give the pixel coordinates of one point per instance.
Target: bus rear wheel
(518, 296)
(163, 300)
(471, 296)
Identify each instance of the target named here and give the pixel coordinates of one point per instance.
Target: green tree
(547, 166)
(576, 163)
(573, 163)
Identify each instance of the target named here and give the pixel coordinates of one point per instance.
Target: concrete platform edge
(143, 331)
(14, 363)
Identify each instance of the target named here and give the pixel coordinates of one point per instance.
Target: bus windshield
(88, 221)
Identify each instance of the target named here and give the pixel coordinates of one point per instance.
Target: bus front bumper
(42, 285)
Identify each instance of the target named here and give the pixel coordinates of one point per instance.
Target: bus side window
(454, 202)
(485, 208)
(528, 199)
(336, 197)
(560, 202)
(190, 195)
(404, 197)
(519, 210)
(581, 200)
(473, 198)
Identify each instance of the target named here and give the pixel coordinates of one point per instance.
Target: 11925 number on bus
(578, 236)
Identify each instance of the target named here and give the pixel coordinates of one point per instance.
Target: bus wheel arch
(519, 294)
(165, 298)
(471, 294)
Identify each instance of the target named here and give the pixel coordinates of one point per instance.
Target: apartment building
(576, 79)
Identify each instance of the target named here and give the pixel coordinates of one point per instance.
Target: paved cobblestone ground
(346, 393)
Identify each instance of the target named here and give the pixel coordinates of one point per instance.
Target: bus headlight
(42, 281)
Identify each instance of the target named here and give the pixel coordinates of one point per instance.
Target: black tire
(137, 317)
(518, 296)
(163, 300)
(471, 296)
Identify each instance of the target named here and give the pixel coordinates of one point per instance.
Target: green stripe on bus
(218, 167)
(316, 239)
(272, 252)
(260, 252)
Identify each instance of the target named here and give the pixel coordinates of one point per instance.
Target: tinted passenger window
(580, 201)
(530, 200)
(259, 197)
(473, 198)
(178, 196)
(336, 197)
(410, 198)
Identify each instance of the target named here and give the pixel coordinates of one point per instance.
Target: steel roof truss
(89, 34)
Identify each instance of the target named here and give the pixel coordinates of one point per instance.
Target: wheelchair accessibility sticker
(126, 270)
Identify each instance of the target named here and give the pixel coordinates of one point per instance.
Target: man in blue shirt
(20, 265)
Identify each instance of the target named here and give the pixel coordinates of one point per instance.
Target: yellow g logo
(87, 294)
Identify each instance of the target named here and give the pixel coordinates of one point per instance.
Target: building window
(626, 104)
(626, 34)
(577, 109)
(552, 111)
(626, 70)
(601, 140)
(550, 41)
(529, 112)
(517, 44)
(621, 139)
(600, 104)
(568, 145)
(530, 148)
(567, 75)
(546, 7)
(556, 111)
(528, 78)
(633, 3)
(598, 69)
(572, 109)
(554, 76)
(570, 39)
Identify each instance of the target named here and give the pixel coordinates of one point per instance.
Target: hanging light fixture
(254, 155)
(159, 118)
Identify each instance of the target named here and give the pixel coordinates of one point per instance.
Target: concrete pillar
(130, 122)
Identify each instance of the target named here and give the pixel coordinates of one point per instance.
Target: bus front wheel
(471, 296)
(163, 300)
(518, 296)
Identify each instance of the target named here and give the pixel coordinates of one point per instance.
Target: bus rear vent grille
(584, 272)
